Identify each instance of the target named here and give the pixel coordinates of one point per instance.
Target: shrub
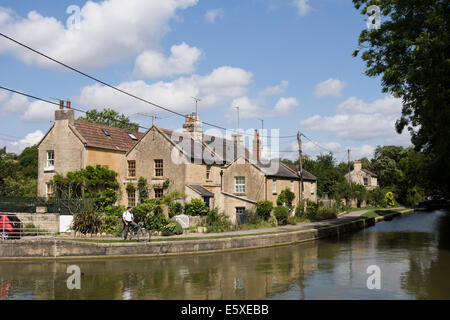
(171, 228)
(158, 220)
(325, 213)
(150, 214)
(113, 219)
(196, 208)
(175, 208)
(311, 210)
(264, 208)
(300, 210)
(389, 199)
(291, 220)
(286, 197)
(273, 221)
(217, 222)
(88, 222)
(282, 215)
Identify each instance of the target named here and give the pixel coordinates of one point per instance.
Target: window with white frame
(274, 186)
(239, 184)
(50, 165)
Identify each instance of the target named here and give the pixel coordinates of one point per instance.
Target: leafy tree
(264, 208)
(196, 208)
(286, 197)
(411, 53)
(111, 118)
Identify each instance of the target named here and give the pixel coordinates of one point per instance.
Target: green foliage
(217, 222)
(389, 198)
(171, 228)
(375, 197)
(166, 184)
(143, 189)
(105, 199)
(329, 175)
(113, 219)
(410, 52)
(110, 118)
(87, 222)
(282, 215)
(28, 161)
(300, 210)
(196, 208)
(130, 186)
(18, 174)
(264, 208)
(175, 209)
(286, 197)
(173, 196)
(150, 214)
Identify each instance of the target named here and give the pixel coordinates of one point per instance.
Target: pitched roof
(118, 139)
(306, 175)
(201, 191)
(211, 150)
(369, 173)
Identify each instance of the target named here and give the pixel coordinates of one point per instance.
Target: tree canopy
(411, 53)
(110, 118)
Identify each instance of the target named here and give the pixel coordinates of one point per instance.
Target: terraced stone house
(221, 172)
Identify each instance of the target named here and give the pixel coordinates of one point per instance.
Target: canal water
(411, 252)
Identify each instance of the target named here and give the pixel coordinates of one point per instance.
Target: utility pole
(349, 180)
(262, 124)
(300, 167)
(348, 162)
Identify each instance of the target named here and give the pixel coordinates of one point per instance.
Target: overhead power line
(111, 86)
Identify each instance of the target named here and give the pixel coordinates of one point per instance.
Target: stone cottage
(362, 176)
(219, 171)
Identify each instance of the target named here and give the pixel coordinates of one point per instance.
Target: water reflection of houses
(254, 274)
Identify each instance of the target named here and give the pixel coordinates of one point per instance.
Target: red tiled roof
(117, 140)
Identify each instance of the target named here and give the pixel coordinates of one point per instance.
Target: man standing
(128, 220)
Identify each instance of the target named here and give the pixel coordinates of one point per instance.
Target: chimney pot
(61, 104)
(68, 105)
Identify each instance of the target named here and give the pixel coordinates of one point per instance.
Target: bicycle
(139, 233)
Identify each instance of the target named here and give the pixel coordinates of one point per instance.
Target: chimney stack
(357, 165)
(193, 126)
(256, 146)
(68, 105)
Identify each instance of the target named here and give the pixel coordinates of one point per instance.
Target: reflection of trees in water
(429, 265)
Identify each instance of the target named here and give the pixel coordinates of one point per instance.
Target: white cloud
(330, 87)
(387, 105)
(109, 31)
(30, 140)
(213, 14)
(357, 120)
(302, 7)
(250, 109)
(220, 86)
(275, 90)
(39, 111)
(152, 64)
(12, 103)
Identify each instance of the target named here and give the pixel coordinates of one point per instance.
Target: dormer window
(132, 136)
(106, 132)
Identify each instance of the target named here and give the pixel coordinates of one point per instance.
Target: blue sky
(288, 62)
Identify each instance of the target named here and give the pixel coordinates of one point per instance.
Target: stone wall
(47, 223)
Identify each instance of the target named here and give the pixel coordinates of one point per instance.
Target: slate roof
(369, 173)
(118, 139)
(201, 191)
(306, 175)
(221, 151)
